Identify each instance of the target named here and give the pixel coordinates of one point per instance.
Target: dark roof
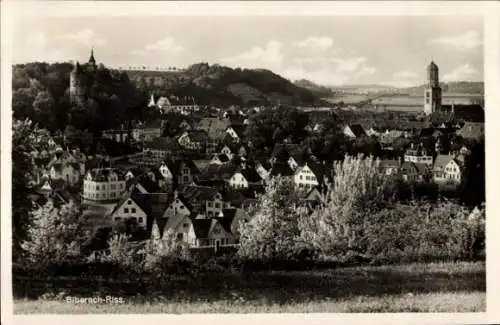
(426, 132)
(201, 227)
(199, 193)
(102, 174)
(282, 169)
(239, 129)
(147, 184)
(470, 113)
(251, 175)
(155, 124)
(198, 135)
(162, 143)
(214, 126)
(388, 163)
(358, 130)
(227, 220)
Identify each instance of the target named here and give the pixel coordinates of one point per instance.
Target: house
(414, 172)
(103, 185)
(304, 178)
(67, 170)
(131, 208)
(226, 150)
(152, 130)
(211, 233)
(187, 172)
(177, 208)
(205, 200)
(354, 131)
(416, 154)
(389, 166)
(193, 140)
(215, 127)
(236, 132)
(182, 105)
(146, 184)
(232, 219)
(162, 148)
(447, 170)
(281, 169)
(242, 178)
(168, 170)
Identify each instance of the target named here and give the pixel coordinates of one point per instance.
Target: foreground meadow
(433, 287)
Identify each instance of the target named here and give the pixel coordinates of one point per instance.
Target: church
(433, 101)
(81, 78)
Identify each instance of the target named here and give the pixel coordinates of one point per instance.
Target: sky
(336, 50)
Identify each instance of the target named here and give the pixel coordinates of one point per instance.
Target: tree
(22, 168)
(55, 236)
(359, 189)
(272, 233)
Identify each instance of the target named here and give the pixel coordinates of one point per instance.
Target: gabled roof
(173, 166)
(357, 130)
(214, 126)
(251, 175)
(282, 169)
(202, 227)
(199, 193)
(162, 143)
(147, 184)
(202, 164)
(442, 160)
(239, 129)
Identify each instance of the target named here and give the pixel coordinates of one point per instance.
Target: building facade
(432, 91)
(103, 185)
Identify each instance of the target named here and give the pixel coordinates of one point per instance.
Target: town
(194, 170)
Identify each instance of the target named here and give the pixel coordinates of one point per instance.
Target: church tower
(432, 92)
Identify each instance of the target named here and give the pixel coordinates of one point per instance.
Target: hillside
(318, 90)
(458, 87)
(224, 86)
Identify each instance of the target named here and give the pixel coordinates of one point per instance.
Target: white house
(103, 184)
(130, 208)
(447, 170)
(177, 209)
(304, 178)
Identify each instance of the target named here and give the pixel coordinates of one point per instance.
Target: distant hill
(224, 86)
(319, 90)
(458, 87)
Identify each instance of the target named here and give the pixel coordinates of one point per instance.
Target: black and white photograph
(218, 163)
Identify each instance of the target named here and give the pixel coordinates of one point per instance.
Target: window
(97, 187)
(186, 225)
(132, 210)
(125, 210)
(186, 179)
(217, 205)
(129, 202)
(209, 204)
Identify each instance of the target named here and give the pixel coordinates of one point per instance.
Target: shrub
(358, 192)
(55, 237)
(272, 233)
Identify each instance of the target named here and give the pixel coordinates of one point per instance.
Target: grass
(436, 287)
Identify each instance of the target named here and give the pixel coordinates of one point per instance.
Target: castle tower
(77, 85)
(432, 92)
(92, 64)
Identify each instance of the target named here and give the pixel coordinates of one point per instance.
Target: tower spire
(92, 59)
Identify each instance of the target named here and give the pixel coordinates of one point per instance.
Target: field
(405, 100)
(434, 287)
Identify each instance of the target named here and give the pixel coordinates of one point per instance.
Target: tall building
(432, 92)
(80, 80)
